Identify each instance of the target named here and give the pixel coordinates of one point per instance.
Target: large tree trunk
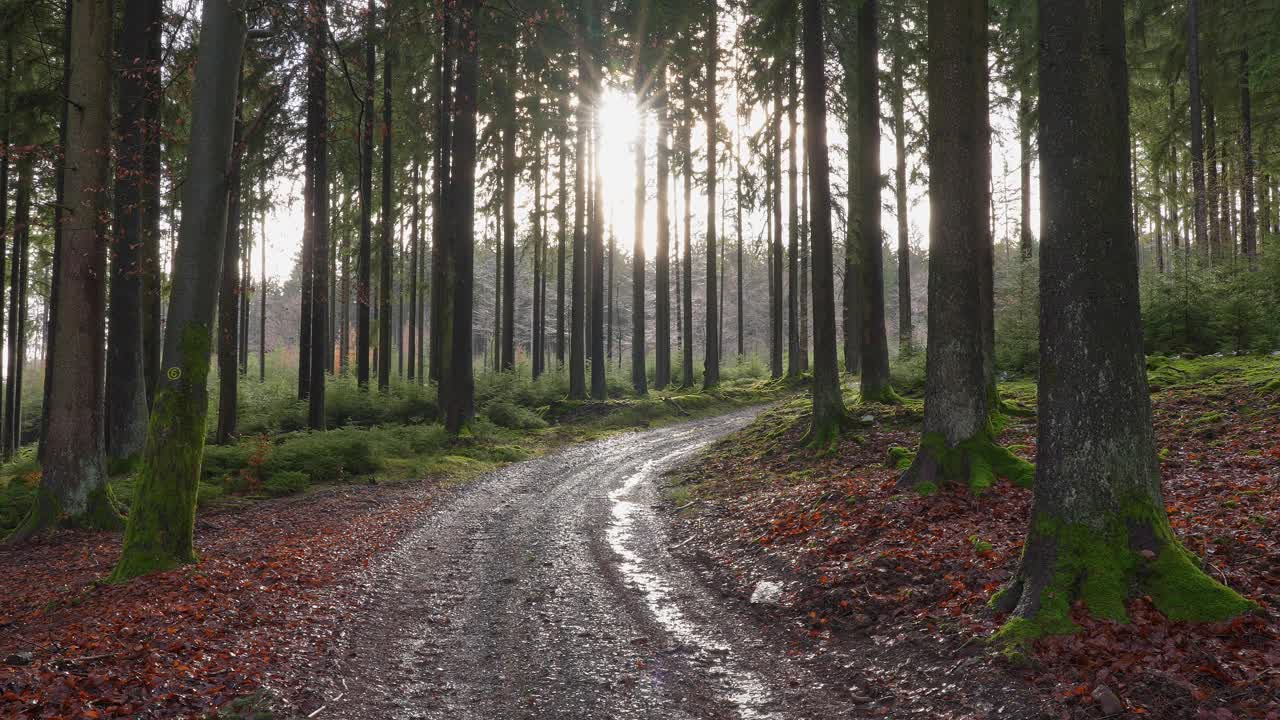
(662, 257)
(1197, 127)
(73, 482)
(956, 445)
(711, 368)
(161, 520)
(804, 265)
(599, 388)
(444, 145)
(152, 275)
(318, 130)
(793, 227)
(1098, 530)
(386, 253)
(875, 344)
(828, 404)
(457, 381)
(852, 294)
(262, 283)
(905, 331)
(126, 407)
(639, 378)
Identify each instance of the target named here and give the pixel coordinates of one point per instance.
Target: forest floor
(897, 584)
(611, 578)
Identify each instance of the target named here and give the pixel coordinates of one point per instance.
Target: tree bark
(793, 227)
(318, 130)
(413, 275)
(1248, 219)
(126, 408)
(577, 310)
(662, 257)
(1197, 126)
(639, 376)
(599, 388)
(161, 520)
(441, 179)
(875, 345)
(509, 130)
(386, 253)
(364, 261)
(1098, 530)
(73, 483)
(457, 382)
(898, 100)
(711, 368)
(828, 404)
(562, 232)
(686, 294)
(228, 296)
(12, 434)
(775, 175)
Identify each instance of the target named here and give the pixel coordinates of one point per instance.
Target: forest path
(548, 590)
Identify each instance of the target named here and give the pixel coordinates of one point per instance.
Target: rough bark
(509, 130)
(775, 177)
(898, 100)
(441, 177)
(793, 228)
(711, 365)
(73, 482)
(386, 251)
(1098, 530)
(318, 130)
(228, 337)
(828, 404)
(364, 264)
(159, 534)
(875, 344)
(639, 377)
(662, 259)
(1248, 220)
(1197, 127)
(577, 310)
(12, 430)
(126, 409)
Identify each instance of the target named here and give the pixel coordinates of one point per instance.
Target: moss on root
(887, 396)
(1135, 554)
(47, 513)
(976, 462)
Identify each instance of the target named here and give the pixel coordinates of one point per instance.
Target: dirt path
(549, 590)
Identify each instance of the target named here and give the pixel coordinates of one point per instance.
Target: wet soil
(554, 589)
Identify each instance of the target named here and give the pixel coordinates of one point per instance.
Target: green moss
(900, 458)
(887, 396)
(977, 461)
(925, 489)
(1103, 569)
(160, 532)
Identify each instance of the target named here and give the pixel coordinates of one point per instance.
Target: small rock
(1148, 554)
(19, 658)
(867, 419)
(1107, 700)
(767, 592)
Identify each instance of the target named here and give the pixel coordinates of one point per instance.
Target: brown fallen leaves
(864, 558)
(276, 580)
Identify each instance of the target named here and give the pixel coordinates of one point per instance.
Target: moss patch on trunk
(976, 462)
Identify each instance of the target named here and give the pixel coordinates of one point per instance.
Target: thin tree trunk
(1099, 532)
(1197, 126)
(1248, 220)
(17, 299)
(686, 333)
(1212, 188)
(414, 242)
(898, 99)
(662, 251)
(441, 179)
(318, 129)
(509, 130)
(639, 378)
(775, 173)
(262, 294)
(711, 371)
(364, 259)
(804, 265)
(386, 252)
(577, 323)
(599, 387)
(162, 517)
(793, 227)
(228, 296)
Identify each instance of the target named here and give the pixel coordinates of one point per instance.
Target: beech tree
(160, 530)
(1098, 531)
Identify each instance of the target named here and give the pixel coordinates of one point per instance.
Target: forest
(639, 358)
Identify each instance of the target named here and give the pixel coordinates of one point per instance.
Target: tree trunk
(956, 445)
(509, 130)
(153, 273)
(262, 294)
(793, 228)
(804, 265)
(686, 294)
(599, 388)
(775, 175)
(228, 295)
(413, 275)
(161, 520)
(73, 483)
(875, 345)
(126, 408)
(711, 370)
(386, 253)
(639, 377)
(905, 331)
(457, 382)
(577, 311)
(318, 129)
(1197, 127)
(852, 244)
(662, 256)
(441, 179)
(364, 259)
(738, 203)
(1212, 188)
(1098, 531)
(828, 404)
(1248, 220)
(539, 265)
(562, 232)
(12, 434)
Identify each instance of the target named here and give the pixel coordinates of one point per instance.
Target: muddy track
(549, 590)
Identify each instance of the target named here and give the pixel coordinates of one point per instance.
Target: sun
(620, 118)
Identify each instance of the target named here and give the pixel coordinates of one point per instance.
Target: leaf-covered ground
(859, 558)
(276, 581)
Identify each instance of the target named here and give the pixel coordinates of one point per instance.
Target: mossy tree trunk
(1098, 530)
(828, 404)
(73, 485)
(457, 380)
(160, 531)
(957, 443)
(870, 264)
